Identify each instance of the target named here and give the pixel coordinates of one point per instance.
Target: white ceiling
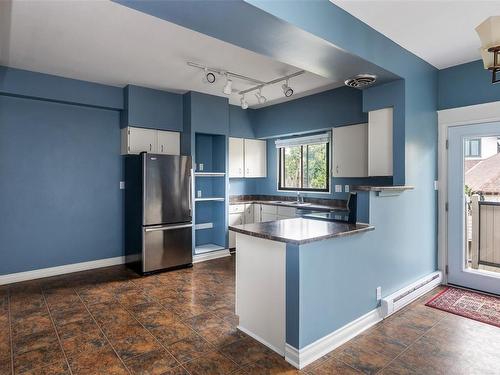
(440, 32)
(104, 42)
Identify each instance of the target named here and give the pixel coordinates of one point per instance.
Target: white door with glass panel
(474, 206)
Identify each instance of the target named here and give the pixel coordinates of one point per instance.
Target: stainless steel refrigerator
(158, 212)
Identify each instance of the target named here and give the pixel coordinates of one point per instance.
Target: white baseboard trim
(197, 258)
(59, 270)
(261, 340)
(310, 353)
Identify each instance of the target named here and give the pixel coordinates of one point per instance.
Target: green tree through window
(304, 167)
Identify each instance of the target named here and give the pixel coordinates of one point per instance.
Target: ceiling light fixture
(260, 98)
(244, 104)
(489, 33)
(209, 77)
(228, 87)
(287, 90)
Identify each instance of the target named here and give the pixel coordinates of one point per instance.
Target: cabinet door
(234, 219)
(140, 140)
(236, 164)
(380, 142)
(350, 151)
(249, 216)
(169, 143)
(255, 158)
(257, 213)
(268, 217)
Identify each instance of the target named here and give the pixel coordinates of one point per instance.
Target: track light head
(244, 104)
(228, 87)
(287, 90)
(260, 98)
(209, 77)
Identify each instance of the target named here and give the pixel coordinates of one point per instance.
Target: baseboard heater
(403, 297)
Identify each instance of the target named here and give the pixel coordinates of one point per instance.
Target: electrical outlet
(338, 188)
(346, 188)
(201, 166)
(436, 185)
(122, 185)
(379, 293)
(198, 194)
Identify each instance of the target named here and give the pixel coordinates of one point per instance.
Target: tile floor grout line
(10, 333)
(55, 329)
(102, 331)
(409, 346)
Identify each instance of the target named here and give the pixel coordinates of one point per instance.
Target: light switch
(122, 185)
(436, 185)
(338, 188)
(346, 188)
(198, 194)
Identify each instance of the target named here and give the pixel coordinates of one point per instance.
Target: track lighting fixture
(244, 104)
(228, 87)
(287, 90)
(209, 77)
(260, 98)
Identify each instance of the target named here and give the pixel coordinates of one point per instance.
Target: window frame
(281, 157)
(468, 142)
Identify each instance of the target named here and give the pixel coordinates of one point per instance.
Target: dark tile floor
(110, 321)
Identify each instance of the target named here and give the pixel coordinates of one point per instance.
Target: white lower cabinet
(234, 219)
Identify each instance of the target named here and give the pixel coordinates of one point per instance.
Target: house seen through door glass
(482, 203)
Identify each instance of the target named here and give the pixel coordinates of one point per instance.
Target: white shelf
(204, 226)
(209, 199)
(209, 174)
(201, 249)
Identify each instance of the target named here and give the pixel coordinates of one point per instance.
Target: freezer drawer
(167, 246)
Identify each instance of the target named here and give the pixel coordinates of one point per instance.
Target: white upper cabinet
(255, 158)
(236, 163)
(169, 143)
(247, 158)
(380, 142)
(137, 140)
(350, 151)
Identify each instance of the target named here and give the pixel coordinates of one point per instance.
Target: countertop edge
(382, 188)
(365, 228)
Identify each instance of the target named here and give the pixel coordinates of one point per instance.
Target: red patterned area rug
(472, 305)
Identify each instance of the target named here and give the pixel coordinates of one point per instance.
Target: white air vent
(403, 297)
(361, 80)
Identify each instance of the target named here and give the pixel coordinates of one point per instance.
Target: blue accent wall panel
(466, 84)
(292, 295)
(25, 83)
(155, 109)
(60, 169)
(241, 124)
(342, 106)
(209, 114)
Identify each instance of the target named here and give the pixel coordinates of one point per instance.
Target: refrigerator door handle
(167, 227)
(191, 194)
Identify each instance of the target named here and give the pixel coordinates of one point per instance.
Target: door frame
(469, 115)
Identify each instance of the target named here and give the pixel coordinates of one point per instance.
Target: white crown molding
(477, 113)
(59, 270)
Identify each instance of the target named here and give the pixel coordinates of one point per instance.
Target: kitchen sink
(294, 203)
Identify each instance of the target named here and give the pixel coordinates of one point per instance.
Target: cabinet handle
(161, 148)
(337, 168)
(150, 147)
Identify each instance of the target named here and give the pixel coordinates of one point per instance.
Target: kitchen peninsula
(285, 253)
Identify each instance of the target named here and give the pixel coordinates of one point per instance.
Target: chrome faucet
(300, 199)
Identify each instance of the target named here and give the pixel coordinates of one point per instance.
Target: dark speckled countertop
(300, 231)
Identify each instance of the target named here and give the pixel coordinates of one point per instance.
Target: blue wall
(60, 168)
(338, 107)
(466, 84)
(410, 243)
(149, 108)
(241, 122)
(24, 83)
